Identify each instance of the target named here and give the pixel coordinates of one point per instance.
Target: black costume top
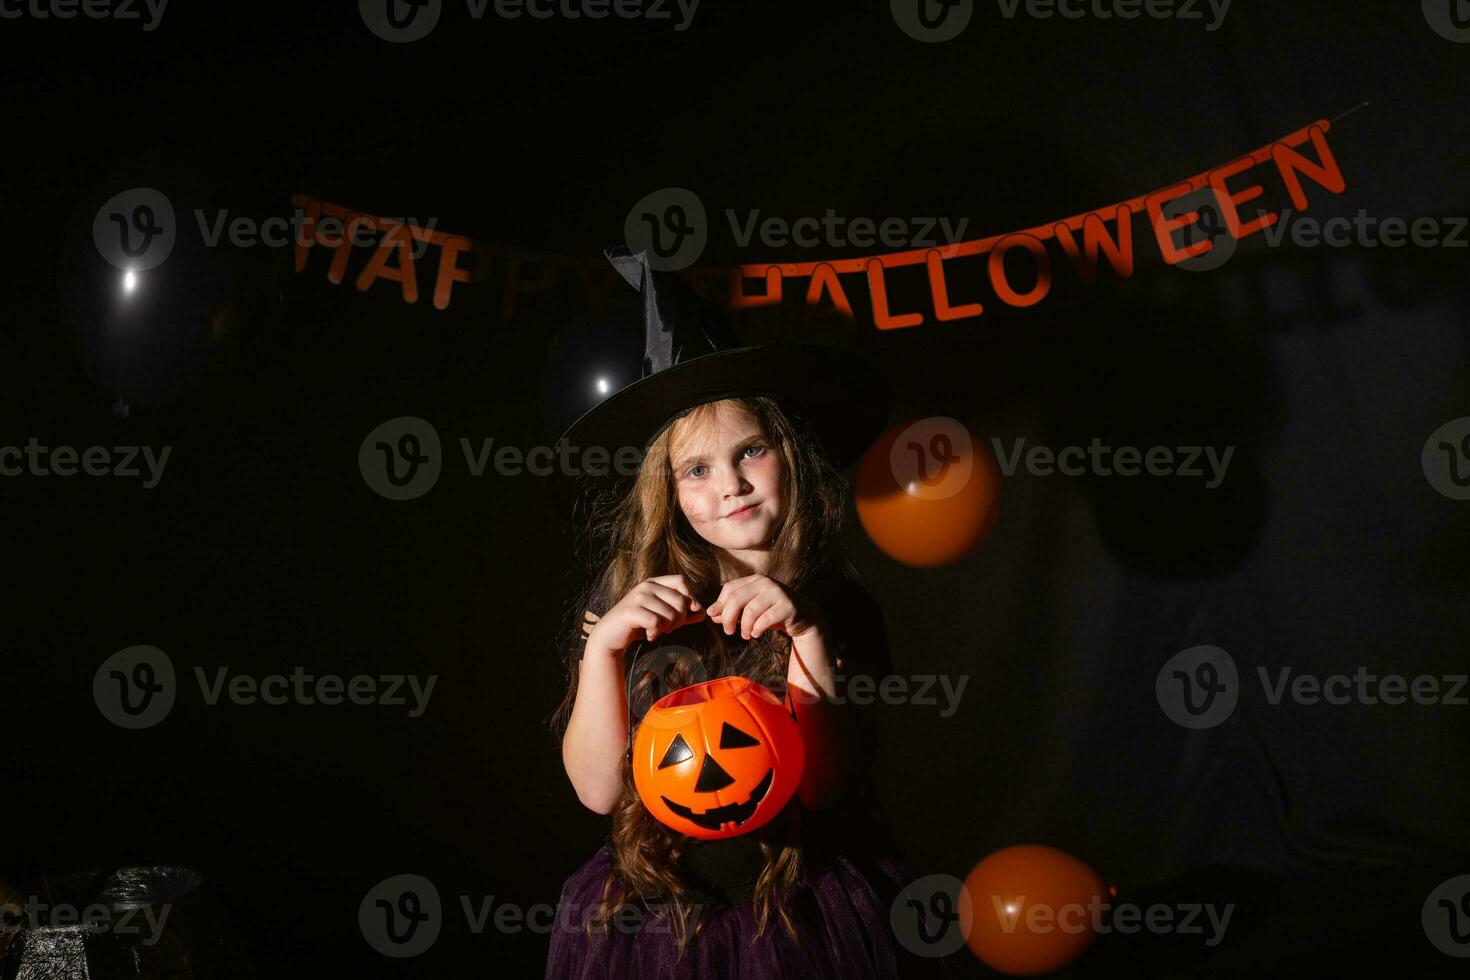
(725, 871)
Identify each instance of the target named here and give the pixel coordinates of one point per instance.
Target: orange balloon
(1035, 909)
(718, 759)
(928, 492)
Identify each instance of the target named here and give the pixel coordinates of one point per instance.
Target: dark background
(263, 548)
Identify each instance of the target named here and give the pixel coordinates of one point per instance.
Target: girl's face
(729, 484)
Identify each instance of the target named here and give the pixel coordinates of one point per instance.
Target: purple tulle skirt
(841, 916)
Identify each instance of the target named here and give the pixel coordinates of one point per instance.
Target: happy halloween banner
(395, 250)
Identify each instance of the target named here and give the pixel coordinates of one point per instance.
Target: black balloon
(594, 355)
(160, 277)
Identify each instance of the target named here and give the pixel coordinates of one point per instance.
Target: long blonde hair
(646, 534)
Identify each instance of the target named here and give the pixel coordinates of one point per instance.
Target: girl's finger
(675, 599)
(729, 616)
(751, 613)
(681, 601)
(647, 621)
(677, 582)
(665, 611)
(735, 590)
(764, 622)
(671, 586)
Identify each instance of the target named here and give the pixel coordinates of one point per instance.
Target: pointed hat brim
(841, 395)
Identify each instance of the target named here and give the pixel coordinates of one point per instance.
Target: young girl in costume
(723, 558)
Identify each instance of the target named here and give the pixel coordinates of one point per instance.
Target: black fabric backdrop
(262, 547)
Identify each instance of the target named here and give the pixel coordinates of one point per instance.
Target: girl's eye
(692, 471)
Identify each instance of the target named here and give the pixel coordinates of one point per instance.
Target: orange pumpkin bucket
(718, 759)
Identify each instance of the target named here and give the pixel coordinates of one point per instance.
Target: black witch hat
(691, 358)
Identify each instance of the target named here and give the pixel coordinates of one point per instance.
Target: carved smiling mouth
(736, 813)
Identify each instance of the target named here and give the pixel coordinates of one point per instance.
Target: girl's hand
(756, 603)
(651, 608)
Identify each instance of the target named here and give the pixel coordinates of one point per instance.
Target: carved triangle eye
(733, 738)
(712, 776)
(678, 752)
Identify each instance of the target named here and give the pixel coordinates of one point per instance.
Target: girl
(723, 558)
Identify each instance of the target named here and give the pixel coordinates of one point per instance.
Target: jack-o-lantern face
(718, 759)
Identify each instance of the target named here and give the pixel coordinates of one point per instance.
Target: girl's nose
(735, 484)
